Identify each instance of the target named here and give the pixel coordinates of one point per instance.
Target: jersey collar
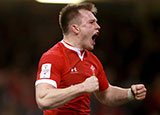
(81, 56)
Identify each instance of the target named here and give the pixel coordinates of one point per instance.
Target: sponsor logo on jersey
(74, 70)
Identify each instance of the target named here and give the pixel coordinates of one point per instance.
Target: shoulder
(53, 55)
(92, 56)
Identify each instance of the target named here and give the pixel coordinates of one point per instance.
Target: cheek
(88, 27)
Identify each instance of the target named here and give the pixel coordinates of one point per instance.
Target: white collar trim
(74, 49)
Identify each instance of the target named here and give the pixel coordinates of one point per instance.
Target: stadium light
(60, 1)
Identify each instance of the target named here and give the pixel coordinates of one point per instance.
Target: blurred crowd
(128, 47)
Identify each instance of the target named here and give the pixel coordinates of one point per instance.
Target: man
(68, 72)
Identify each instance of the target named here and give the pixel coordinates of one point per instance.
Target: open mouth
(95, 36)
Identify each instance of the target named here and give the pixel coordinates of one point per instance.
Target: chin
(90, 48)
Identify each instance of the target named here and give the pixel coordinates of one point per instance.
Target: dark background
(128, 47)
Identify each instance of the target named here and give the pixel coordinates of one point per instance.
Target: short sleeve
(103, 82)
(102, 78)
(49, 70)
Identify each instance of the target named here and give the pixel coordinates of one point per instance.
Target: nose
(97, 26)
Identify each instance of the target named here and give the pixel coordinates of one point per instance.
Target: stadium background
(128, 47)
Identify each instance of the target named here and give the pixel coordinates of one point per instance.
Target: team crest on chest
(93, 69)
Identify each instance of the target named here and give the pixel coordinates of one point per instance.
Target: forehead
(87, 15)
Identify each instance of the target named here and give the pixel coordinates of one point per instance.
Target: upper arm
(41, 90)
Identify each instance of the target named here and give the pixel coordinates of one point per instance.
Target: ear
(75, 28)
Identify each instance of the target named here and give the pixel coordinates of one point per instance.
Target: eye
(92, 21)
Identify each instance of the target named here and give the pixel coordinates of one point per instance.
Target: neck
(74, 41)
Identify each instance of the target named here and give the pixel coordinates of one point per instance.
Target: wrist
(130, 95)
(80, 88)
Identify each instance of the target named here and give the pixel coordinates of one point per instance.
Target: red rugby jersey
(63, 66)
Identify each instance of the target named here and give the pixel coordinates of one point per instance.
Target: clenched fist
(139, 91)
(91, 84)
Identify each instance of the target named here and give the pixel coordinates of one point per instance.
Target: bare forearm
(117, 96)
(53, 98)
(113, 96)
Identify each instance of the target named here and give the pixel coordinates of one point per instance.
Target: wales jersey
(63, 66)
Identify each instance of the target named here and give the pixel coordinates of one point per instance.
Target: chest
(77, 71)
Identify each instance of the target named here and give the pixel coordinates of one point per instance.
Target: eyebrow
(93, 20)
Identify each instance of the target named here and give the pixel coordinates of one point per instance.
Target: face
(88, 28)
